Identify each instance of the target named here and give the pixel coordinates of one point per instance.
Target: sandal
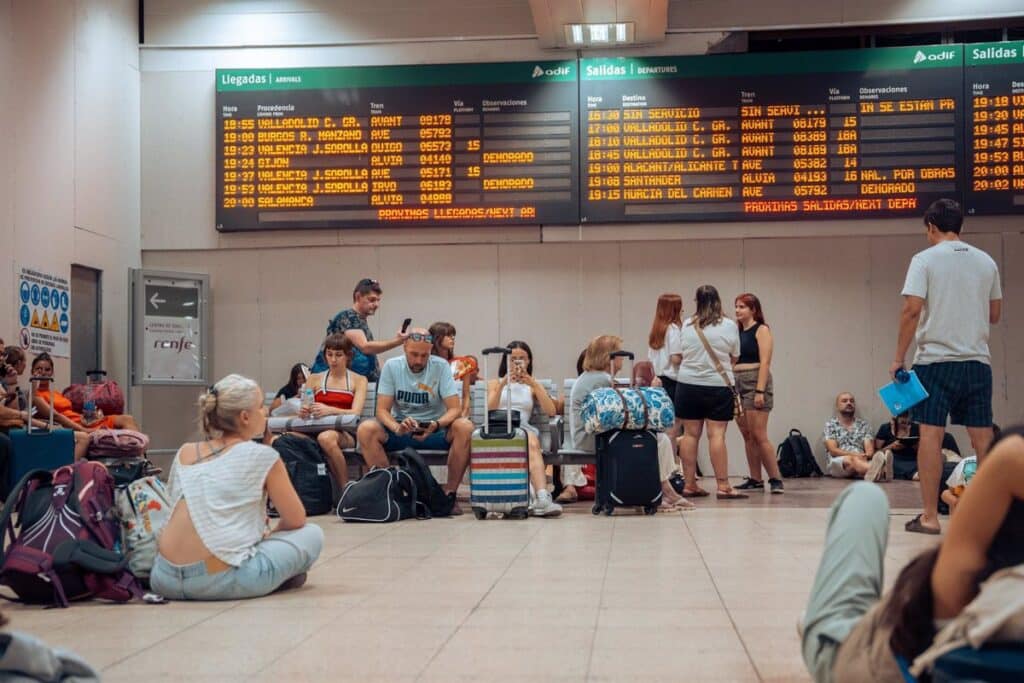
(567, 498)
(731, 494)
(695, 493)
(914, 526)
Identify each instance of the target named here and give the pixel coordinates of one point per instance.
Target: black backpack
(433, 501)
(796, 458)
(384, 494)
(307, 468)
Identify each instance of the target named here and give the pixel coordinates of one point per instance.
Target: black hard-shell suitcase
(628, 474)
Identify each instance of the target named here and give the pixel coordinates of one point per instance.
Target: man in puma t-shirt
(418, 406)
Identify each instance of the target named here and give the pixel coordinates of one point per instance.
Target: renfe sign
(170, 328)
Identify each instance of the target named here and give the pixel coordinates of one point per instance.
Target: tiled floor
(707, 595)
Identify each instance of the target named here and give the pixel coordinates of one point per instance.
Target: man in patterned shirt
(851, 444)
(352, 323)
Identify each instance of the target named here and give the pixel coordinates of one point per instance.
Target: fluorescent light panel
(583, 35)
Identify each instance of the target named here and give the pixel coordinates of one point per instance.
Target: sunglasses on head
(420, 337)
(368, 281)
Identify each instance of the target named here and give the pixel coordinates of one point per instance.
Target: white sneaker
(876, 470)
(544, 506)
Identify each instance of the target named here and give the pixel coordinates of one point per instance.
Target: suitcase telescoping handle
(504, 351)
(625, 354)
(31, 401)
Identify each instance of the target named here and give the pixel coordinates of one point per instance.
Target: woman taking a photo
(518, 390)
(754, 385)
(217, 545)
(709, 344)
(336, 391)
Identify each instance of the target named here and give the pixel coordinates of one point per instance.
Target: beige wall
(832, 302)
(69, 172)
(831, 288)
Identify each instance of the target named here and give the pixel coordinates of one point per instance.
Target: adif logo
(558, 71)
(943, 56)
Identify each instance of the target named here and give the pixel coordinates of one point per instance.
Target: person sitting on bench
(517, 381)
(42, 366)
(599, 368)
(418, 407)
(336, 391)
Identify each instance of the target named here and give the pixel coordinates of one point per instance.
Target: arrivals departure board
(994, 99)
(841, 134)
(459, 144)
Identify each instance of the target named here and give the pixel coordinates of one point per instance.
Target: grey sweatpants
(849, 579)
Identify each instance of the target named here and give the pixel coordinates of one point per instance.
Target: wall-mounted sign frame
(170, 327)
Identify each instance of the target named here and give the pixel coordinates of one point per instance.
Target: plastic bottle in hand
(307, 403)
(89, 413)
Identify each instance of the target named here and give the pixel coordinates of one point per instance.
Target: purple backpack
(65, 545)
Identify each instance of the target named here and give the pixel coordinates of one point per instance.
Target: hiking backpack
(307, 469)
(143, 508)
(65, 545)
(796, 458)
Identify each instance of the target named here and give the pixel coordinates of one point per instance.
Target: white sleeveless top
(226, 498)
(522, 401)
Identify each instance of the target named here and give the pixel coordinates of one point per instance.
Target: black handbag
(384, 494)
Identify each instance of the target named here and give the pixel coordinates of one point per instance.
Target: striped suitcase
(499, 465)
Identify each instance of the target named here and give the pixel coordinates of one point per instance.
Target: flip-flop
(730, 495)
(914, 526)
(699, 493)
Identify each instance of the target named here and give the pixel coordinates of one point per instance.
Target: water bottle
(307, 400)
(89, 415)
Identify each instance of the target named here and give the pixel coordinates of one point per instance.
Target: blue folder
(899, 397)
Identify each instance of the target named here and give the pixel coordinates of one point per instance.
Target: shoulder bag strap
(714, 356)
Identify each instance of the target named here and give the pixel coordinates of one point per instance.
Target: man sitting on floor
(851, 445)
(418, 406)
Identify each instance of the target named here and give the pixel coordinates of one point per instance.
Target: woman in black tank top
(754, 384)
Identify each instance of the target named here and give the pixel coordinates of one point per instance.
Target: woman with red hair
(754, 384)
(663, 351)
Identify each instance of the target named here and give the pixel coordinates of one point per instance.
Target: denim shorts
(278, 558)
(438, 441)
(959, 391)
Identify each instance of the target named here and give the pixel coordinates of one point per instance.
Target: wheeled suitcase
(499, 479)
(627, 467)
(38, 449)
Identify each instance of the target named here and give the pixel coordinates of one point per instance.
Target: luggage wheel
(650, 509)
(596, 510)
(480, 513)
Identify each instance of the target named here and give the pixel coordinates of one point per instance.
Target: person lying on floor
(217, 545)
(850, 632)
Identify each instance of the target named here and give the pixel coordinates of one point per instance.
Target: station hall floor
(707, 595)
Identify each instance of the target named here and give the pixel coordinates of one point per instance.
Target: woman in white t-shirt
(218, 544)
(518, 390)
(704, 390)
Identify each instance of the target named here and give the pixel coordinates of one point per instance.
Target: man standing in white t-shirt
(951, 296)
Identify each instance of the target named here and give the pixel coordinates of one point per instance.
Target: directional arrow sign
(172, 302)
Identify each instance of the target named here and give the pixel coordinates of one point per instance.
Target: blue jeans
(278, 558)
